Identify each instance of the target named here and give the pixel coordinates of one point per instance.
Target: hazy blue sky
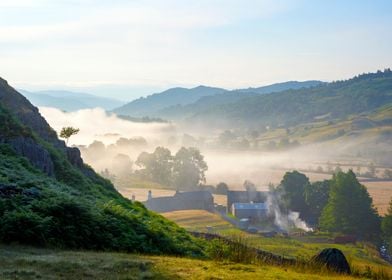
(131, 48)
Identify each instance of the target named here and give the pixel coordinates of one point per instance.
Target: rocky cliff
(25, 145)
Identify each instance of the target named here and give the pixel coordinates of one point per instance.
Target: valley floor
(17, 262)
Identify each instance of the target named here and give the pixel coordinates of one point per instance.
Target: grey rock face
(29, 115)
(74, 157)
(34, 152)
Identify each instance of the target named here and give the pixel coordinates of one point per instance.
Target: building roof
(250, 206)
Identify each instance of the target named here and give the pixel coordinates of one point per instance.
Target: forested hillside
(336, 100)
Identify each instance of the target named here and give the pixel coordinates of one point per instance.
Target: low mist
(98, 125)
(109, 142)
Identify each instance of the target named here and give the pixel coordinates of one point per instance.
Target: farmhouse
(251, 211)
(244, 197)
(202, 200)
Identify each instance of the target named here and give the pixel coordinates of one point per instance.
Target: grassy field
(33, 263)
(360, 255)
(198, 220)
(381, 192)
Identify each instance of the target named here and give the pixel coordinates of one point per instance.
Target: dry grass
(32, 263)
(381, 192)
(198, 220)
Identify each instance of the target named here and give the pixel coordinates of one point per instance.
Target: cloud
(96, 124)
(126, 18)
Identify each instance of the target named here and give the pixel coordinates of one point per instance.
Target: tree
(67, 132)
(156, 166)
(188, 169)
(226, 137)
(316, 197)
(350, 209)
(249, 186)
(387, 174)
(386, 227)
(292, 188)
(222, 188)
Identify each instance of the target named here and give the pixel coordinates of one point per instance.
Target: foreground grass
(18, 262)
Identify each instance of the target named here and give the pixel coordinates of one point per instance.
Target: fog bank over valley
(109, 142)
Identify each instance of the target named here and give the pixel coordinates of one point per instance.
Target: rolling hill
(148, 106)
(175, 101)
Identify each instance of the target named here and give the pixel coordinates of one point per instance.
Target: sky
(130, 48)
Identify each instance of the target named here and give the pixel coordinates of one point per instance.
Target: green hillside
(49, 197)
(328, 101)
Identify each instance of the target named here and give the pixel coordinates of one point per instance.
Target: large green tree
(188, 169)
(350, 209)
(292, 188)
(316, 197)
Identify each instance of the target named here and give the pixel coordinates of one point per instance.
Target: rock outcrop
(35, 153)
(333, 259)
(74, 157)
(29, 116)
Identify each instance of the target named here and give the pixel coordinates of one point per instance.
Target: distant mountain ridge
(148, 106)
(336, 100)
(281, 87)
(69, 101)
(177, 99)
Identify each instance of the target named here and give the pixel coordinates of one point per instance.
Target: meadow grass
(32, 263)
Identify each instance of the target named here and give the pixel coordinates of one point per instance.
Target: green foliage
(222, 188)
(335, 100)
(10, 126)
(76, 208)
(67, 132)
(292, 188)
(386, 227)
(316, 197)
(156, 166)
(349, 209)
(62, 216)
(188, 169)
